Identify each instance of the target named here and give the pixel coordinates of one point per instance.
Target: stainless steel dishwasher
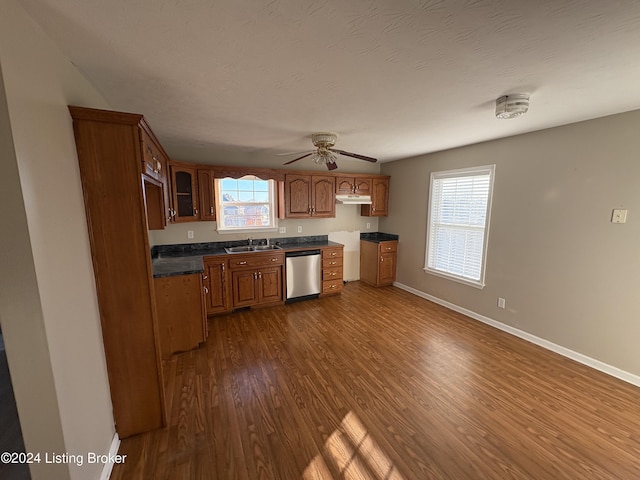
(304, 275)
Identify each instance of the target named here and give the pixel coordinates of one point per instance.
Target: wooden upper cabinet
(310, 196)
(184, 192)
(155, 165)
(379, 199)
(154, 160)
(353, 185)
(206, 192)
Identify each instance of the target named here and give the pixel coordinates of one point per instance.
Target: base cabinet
(332, 270)
(257, 279)
(378, 262)
(182, 318)
(216, 285)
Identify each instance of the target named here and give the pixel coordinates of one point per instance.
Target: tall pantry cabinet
(111, 160)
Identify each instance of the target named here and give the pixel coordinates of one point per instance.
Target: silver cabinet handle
(241, 263)
(210, 210)
(274, 259)
(206, 290)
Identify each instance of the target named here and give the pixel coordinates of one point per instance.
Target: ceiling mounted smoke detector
(511, 106)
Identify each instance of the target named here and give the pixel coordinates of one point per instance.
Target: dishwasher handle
(302, 253)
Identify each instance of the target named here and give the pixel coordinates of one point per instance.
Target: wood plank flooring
(381, 384)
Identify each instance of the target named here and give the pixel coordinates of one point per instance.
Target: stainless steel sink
(267, 247)
(252, 248)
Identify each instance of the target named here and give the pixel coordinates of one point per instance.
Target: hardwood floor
(381, 384)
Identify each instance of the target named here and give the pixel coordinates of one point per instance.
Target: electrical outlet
(368, 225)
(299, 228)
(189, 233)
(501, 302)
(282, 230)
(619, 216)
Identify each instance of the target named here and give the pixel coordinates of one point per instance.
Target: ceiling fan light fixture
(324, 139)
(512, 106)
(324, 157)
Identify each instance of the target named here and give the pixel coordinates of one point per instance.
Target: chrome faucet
(250, 241)
(267, 242)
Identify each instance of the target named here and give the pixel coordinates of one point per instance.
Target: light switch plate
(619, 216)
(282, 230)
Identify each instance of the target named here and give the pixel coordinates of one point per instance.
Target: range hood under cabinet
(354, 199)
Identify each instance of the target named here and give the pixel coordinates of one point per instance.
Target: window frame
(272, 202)
(461, 173)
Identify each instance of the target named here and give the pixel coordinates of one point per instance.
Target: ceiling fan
(325, 153)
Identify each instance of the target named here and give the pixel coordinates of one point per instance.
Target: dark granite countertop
(170, 266)
(183, 259)
(377, 237)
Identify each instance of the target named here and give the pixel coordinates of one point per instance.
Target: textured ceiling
(242, 80)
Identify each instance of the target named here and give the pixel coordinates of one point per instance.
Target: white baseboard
(113, 450)
(578, 357)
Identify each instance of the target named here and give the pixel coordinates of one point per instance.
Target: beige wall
(347, 219)
(567, 273)
(48, 305)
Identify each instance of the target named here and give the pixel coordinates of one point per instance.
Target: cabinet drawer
(331, 262)
(332, 274)
(332, 252)
(332, 286)
(388, 247)
(255, 260)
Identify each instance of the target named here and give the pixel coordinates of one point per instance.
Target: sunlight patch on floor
(353, 454)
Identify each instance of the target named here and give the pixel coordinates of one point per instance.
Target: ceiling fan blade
(293, 153)
(354, 155)
(299, 158)
(331, 166)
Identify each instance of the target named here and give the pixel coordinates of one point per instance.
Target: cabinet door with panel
(181, 315)
(309, 196)
(378, 262)
(257, 279)
(206, 201)
(323, 198)
(184, 192)
(217, 285)
(353, 185)
(379, 199)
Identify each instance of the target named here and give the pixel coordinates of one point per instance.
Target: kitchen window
(458, 225)
(245, 204)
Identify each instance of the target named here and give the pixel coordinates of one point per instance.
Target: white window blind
(457, 231)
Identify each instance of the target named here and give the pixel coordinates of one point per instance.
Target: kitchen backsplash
(347, 218)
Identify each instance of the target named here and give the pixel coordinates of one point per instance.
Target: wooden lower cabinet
(257, 279)
(182, 318)
(332, 270)
(216, 283)
(378, 262)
